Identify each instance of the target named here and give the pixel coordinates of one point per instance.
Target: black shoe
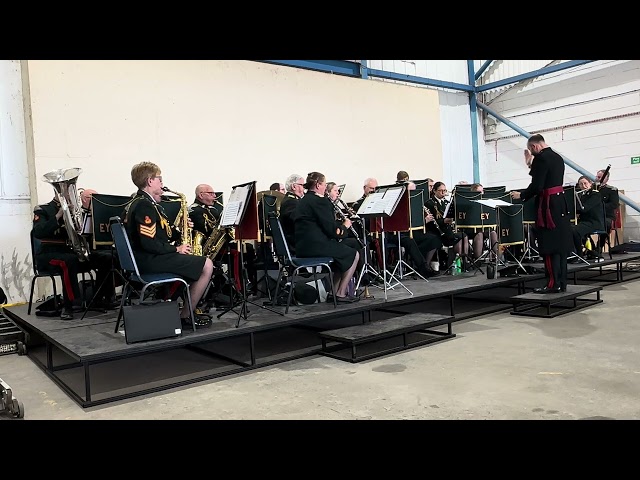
(546, 289)
(346, 299)
(67, 314)
(201, 321)
(329, 298)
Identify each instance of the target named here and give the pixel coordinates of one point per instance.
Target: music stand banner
(102, 208)
(511, 227)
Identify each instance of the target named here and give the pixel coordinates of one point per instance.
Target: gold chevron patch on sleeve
(148, 231)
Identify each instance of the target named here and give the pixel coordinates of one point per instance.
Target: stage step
(541, 304)
(410, 331)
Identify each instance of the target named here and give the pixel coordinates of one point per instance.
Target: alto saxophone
(182, 222)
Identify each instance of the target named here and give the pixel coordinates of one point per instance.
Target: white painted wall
(16, 269)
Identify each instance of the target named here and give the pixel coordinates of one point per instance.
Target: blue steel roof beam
(420, 80)
(484, 66)
(339, 67)
(474, 126)
(535, 73)
(570, 163)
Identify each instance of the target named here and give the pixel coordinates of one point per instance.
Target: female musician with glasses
(437, 205)
(317, 234)
(294, 185)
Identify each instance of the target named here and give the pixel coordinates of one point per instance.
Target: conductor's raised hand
(528, 158)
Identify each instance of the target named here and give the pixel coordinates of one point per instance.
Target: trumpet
(427, 211)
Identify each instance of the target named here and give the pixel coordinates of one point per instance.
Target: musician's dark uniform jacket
(611, 199)
(204, 217)
(317, 232)
(150, 234)
(437, 209)
(288, 217)
(591, 217)
(53, 252)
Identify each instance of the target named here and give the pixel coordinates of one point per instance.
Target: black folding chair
(292, 266)
(132, 275)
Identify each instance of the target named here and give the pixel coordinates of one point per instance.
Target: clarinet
(426, 210)
(342, 217)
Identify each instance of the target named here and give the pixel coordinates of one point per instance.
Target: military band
(315, 221)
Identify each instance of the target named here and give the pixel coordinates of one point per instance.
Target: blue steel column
(364, 71)
(474, 124)
(572, 164)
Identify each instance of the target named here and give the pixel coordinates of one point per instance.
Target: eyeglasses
(159, 177)
(301, 184)
(440, 190)
(210, 193)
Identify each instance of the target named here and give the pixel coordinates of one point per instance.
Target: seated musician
(437, 205)
(477, 238)
(152, 240)
(277, 187)
(317, 234)
(294, 185)
(610, 197)
(101, 260)
(590, 215)
(428, 244)
(333, 193)
(403, 177)
(55, 254)
(203, 212)
(370, 185)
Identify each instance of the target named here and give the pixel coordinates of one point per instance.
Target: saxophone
(182, 223)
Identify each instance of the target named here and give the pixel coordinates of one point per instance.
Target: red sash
(544, 198)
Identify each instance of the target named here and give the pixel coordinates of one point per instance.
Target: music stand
(101, 209)
(383, 204)
(241, 213)
(269, 201)
(528, 218)
(416, 222)
(508, 217)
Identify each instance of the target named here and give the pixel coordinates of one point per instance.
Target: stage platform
(95, 366)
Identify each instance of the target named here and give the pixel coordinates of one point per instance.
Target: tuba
(64, 184)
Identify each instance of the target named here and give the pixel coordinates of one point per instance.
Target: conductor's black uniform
(553, 225)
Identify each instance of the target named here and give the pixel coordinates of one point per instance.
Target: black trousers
(555, 269)
(412, 249)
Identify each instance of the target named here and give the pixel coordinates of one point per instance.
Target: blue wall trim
(421, 80)
(339, 67)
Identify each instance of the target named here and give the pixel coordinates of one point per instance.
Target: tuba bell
(64, 184)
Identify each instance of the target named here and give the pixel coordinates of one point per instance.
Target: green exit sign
(635, 160)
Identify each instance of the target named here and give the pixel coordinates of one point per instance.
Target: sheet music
(391, 197)
(87, 224)
(235, 206)
(230, 213)
(370, 204)
(492, 202)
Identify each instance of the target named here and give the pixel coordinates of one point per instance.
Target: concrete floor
(583, 365)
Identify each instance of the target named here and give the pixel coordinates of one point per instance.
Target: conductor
(553, 226)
